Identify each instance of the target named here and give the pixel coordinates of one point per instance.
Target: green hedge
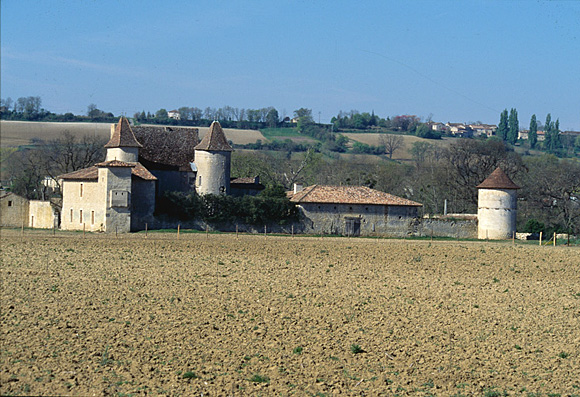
(254, 210)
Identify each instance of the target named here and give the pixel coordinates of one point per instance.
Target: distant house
(174, 114)
(483, 129)
(354, 211)
(461, 130)
(525, 134)
(436, 126)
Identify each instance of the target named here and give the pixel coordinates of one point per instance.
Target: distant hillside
(17, 133)
(401, 154)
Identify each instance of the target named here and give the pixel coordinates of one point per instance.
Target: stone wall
(448, 227)
(42, 215)
(142, 204)
(117, 181)
(353, 219)
(214, 170)
(13, 210)
(83, 205)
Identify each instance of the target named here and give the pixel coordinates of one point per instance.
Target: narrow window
(81, 190)
(200, 180)
(81, 216)
(32, 221)
(92, 217)
(71, 215)
(9, 203)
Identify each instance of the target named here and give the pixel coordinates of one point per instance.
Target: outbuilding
(354, 211)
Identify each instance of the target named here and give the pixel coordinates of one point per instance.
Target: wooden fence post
(146, 229)
(178, 230)
(554, 239)
(540, 238)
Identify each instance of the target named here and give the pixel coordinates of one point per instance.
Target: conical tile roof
(498, 180)
(215, 140)
(123, 136)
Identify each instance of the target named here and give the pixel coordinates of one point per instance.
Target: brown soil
(218, 314)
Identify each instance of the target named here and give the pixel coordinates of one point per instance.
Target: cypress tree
(513, 127)
(502, 129)
(533, 134)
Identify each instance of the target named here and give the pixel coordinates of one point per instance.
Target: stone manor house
(142, 162)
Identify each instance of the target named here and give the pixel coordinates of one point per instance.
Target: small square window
(9, 203)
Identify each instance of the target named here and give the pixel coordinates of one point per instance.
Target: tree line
(549, 199)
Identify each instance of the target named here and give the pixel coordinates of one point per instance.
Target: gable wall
(91, 203)
(15, 214)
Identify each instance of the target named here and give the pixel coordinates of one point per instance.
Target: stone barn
(355, 211)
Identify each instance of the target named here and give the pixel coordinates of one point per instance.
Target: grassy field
(401, 154)
(255, 315)
(17, 133)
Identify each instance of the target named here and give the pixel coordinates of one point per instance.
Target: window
(81, 216)
(81, 190)
(9, 203)
(200, 180)
(92, 217)
(71, 215)
(32, 221)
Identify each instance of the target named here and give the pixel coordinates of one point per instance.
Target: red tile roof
(123, 136)
(215, 139)
(92, 173)
(348, 195)
(498, 180)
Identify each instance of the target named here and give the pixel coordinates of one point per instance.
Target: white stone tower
(123, 145)
(496, 207)
(115, 175)
(213, 158)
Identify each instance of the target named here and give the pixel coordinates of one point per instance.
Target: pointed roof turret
(214, 140)
(498, 180)
(123, 135)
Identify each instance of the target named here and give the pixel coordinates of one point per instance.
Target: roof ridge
(123, 135)
(215, 139)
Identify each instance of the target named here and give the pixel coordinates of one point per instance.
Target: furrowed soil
(219, 315)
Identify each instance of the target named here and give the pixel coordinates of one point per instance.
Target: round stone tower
(122, 146)
(213, 158)
(496, 207)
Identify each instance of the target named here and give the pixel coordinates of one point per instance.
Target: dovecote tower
(496, 207)
(123, 145)
(213, 158)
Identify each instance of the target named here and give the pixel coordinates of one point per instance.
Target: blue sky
(457, 61)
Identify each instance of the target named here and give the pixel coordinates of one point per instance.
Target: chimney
(112, 130)
(298, 187)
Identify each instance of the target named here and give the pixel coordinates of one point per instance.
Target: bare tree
(392, 143)
(67, 153)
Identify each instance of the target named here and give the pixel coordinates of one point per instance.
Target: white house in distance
(174, 114)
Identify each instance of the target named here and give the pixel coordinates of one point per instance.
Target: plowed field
(219, 315)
